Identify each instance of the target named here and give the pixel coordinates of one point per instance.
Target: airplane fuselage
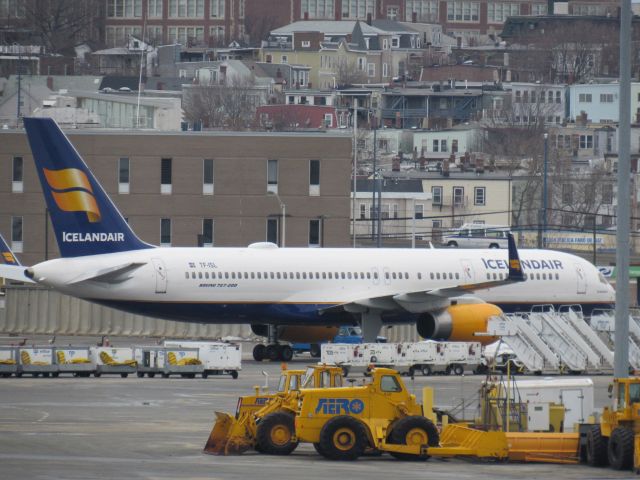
(265, 284)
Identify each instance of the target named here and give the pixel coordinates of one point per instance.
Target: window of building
(217, 8)
(371, 69)
(363, 211)
(119, 36)
(418, 211)
(498, 12)
(17, 175)
(165, 176)
(395, 42)
(241, 8)
(436, 145)
(16, 234)
(328, 120)
(460, 11)
(518, 96)
(607, 194)
(479, 196)
(187, 36)
(123, 8)
(394, 209)
(385, 70)
(284, 59)
(217, 35)
(272, 230)
(539, 9)
(314, 177)
(443, 146)
(454, 145)
(272, 176)
(154, 8)
(567, 193)
(458, 196)
(352, 9)
(207, 232)
(314, 233)
(186, 8)
(306, 43)
(584, 97)
(392, 13)
(436, 195)
(154, 35)
(384, 211)
(207, 176)
(165, 232)
(606, 98)
(426, 10)
(317, 9)
(586, 141)
(123, 175)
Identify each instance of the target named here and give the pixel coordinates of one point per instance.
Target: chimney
(369, 19)
(414, 17)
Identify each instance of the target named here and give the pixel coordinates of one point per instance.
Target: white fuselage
(216, 284)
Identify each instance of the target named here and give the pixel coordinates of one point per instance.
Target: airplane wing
(436, 299)
(117, 274)
(14, 272)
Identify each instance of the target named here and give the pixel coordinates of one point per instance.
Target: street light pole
(544, 191)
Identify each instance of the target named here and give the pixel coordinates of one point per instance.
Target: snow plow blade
(228, 437)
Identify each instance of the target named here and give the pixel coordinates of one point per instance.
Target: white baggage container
(218, 358)
(167, 361)
(36, 361)
(74, 360)
(8, 361)
(112, 360)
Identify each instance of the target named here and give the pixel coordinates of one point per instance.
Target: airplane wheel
(259, 352)
(620, 448)
(272, 352)
(286, 353)
(315, 350)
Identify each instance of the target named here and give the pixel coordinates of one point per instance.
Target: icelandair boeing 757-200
(296, 294)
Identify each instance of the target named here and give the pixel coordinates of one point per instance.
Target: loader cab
(289, 381)
(324, 377)
(627, 393)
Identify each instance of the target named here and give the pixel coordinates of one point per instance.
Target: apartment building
(185, 189)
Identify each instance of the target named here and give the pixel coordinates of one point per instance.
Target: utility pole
(373, 199)
(355, 168)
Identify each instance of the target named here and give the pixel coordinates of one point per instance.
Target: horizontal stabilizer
(115, 274)
(14, 272)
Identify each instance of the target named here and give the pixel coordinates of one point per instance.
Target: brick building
(189, 188)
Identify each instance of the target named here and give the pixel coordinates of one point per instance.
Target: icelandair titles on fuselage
(495, 264)
(92, 237)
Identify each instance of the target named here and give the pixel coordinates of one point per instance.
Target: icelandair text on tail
(92, 237)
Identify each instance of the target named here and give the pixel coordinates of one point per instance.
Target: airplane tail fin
(85, 220)
(515, 267)
(6, 255)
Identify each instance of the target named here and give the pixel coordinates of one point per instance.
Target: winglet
(6, 255)
(515, 268)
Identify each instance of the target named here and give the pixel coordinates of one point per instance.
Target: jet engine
(458, 323)
(298, 333)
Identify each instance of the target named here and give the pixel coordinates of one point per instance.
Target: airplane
(293, 294)
(6, 255)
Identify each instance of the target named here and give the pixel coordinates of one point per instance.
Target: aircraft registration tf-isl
(449, 294)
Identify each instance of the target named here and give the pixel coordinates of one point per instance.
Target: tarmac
(155, 428)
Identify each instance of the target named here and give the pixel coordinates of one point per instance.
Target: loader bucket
(228, 437)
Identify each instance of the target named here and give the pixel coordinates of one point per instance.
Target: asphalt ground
(115, 428)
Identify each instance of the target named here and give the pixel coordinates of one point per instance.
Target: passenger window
(298, 275)
(200, 275)
(342, 275)
(330, 275)
(186, 275)
(253, 275)
(393, 275)
(368, 275)
(389, 384)
(537, 276)
(317, 276)
(226, 275)
(557, 276)
(324, 275)
(246, 275)
(544, 276)
(304, 275)
(450, 276)
(457, 276)
(431, 275)
(406, 275)
(438, 275)
(488, 276)
(206, 275)
(375, 275)
(419, 276)
(271, 275)
(278, 275)
(349, 275)
(386, 275)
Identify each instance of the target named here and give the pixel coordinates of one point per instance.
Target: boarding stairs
(604, 321)
(598, 353)
(561, 343)
(524, 341)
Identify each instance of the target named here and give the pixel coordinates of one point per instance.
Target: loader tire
(274, 434)
(414, 430)
(596, 447)
(342, 438)
(319, 449)
(620, 449)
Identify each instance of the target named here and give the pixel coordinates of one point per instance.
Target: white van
(476, 235)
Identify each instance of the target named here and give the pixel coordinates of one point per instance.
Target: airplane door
(468, 275)
(161, 275)
(582, 279)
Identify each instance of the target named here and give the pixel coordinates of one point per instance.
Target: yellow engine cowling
(458, 323)
(299, 333)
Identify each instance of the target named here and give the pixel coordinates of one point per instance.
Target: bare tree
(229, 106)
(348, 72)
(258, 27)
(62, 24)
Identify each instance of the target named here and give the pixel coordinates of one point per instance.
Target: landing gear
(272, 352)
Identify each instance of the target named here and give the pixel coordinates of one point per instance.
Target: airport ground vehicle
(217, 358)
(614, 441)
(383, 415)
(265, 421)
(346, 334)
(471, 235)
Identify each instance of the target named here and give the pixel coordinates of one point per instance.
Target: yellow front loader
(265, 421)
